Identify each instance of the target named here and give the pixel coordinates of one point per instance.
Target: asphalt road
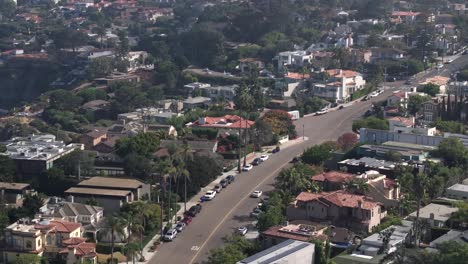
(231, 208)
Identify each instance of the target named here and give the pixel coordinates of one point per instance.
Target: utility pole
(239, 149)
(303, 132)
(245, 143)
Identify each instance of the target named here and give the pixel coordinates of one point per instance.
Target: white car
(321, 112)
(439, 66)
(242, 230)
(170, 235)
(209, 195)
(264, 157)
(256, 194)
(247, 167)
(180, 226)
(374, 94)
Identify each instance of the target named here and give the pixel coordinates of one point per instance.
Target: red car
(187, 219)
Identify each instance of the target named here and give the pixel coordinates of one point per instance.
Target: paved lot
(231, 208)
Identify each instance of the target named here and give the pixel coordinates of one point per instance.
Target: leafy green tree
(138, 166)
(77, 159)
(430, 89)
(280, 122)
(296, 179)
(64, 100)
(450, 126)
(28, 259)
(414, 66)
(7, 169)
(204, 47)
(100, 67)
(347, 141)
(392, 156)
(415, 103)
(7, 8)
(357, 186)
(370, 122)
(90, 94)
(68, 38)
(229, 254)
(116, 226)
(453, 152)
(317, 155)
(273, 214)
(144, 144)
(449, 252)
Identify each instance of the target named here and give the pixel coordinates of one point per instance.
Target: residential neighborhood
(225, 132)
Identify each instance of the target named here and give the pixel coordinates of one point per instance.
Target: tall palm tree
(116, 226)
(131, 250)
(187, 155)
(357, 186)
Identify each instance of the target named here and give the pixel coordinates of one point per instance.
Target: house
(398, 98)
(435, 215)
(191, 87)
(459, 88)
(404, 16)
(286, 104)
(407, 151)
(36, 153)
(438, 80)
(247, 64)
(167, 129)
(365, 164)
(95, 105)
(93, 137)
(294, 59)
(374, 245)
(460, 237)
(223, 123)
(117, 77)
(298, 230)
(89, 216)
(400, 124)
(380, 188)
(195, 145)
(12, 193)
(110, 193)
(227, 92)
(289, 251)
(340, 208)
(196, 102)
(51, 239)
(378, 54)
(457, 191)
(339, 86)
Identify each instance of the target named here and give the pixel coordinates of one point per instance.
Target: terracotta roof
(399, 94)
(338, 73)
(276, 232)
(73, 241)
(438, 80)
(97, 132)
(333, 176)
(65, 227)
(339, 198)
(405, 13)
(405, 121)
(227, 121)
(297, 76)
(85, 249)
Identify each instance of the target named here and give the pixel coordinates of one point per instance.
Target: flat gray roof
(277, 252)
(459, 187)
(97, 192)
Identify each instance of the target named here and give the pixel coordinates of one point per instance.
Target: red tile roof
(338, 73)
(297, 76)
(339, 198)
(389, 183)
(404, 13)
(401, 94)
(227, 121)
(85, 249)
(73, 241)
(403, 120)
(333, 176)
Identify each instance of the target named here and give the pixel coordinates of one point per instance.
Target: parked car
(180, 226)
(247, 167)
(242, 230)
(217, 188)
(256, 194)
(341, 107)
(264, 157)
(257, 162)
(209, 195)
(170, 235)
(187, 219)
(439, 66)
(230, 178)
(256, 212)
(275, 150)
(194, 210)
(408, 82)
(296, 159)
(322, 112)
(224, 183)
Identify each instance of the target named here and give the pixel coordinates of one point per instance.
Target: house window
(312, 208)
(39, 243)
(28, 244)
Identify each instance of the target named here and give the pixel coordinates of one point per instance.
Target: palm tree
(101, 32)
(116, 226)
(139, 229)
(186, 152)
(357, 186)
(131, 249)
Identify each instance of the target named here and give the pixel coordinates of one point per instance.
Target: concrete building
(196, 102)
(12, 194)
(304, 231)
(289, 251)
(340, 208)
(340, 85)
(227, 92)
(457, 191)
(293, 59)
(365, 164)
(460, 237)
(191, 87)
(407, 151)
(51, 239)
(36, 153)
(435, 215)
(117, 77)
(110, 193)
(93, 137)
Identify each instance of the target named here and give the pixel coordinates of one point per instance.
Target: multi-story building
(340, 208)
(293, 59)
(57, 240)
(227, 92)
(12, 193)
(36, 153)
(339, 86)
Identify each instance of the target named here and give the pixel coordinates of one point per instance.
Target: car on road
(209, 195)
(264, 157)
(257, 162)
(276, 150)
(194, 210)
(170, 235)
(242, 230)
(224, 183)
(230, 178)
(341, 107)
(322, 112)
(187, 219)
(247, 167)
(408, 82)
(374, 94)
(256, 212)
(218, 188)
(439, 66)
(256, 194)
(180, 226)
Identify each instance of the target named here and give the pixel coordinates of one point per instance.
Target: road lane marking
(232, 210)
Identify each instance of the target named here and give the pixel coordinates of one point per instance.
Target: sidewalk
(196, 198)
